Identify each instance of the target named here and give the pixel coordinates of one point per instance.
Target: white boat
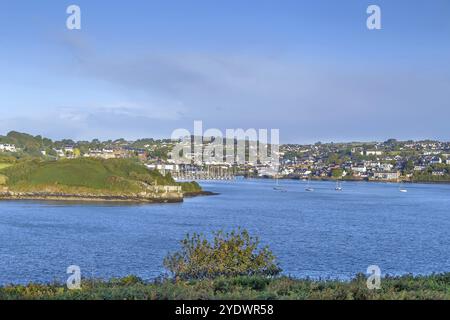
(338, 186)
(278, 188)
(309, 188)
(402, 189)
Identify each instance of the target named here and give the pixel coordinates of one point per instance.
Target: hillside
(86, 176)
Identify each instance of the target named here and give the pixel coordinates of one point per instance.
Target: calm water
(324, 233)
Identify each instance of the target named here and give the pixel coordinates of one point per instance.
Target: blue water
(324, 234)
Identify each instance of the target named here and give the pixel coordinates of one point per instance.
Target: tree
(76, 153)
(337, 173)
(229, 254)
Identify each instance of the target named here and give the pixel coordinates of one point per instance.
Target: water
(321, 234)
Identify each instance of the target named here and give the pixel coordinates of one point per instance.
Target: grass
(5, 165)
(114, 175)
(436, 287)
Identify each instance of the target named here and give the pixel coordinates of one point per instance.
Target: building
(164, 168)
(374, 153)
(386, 175)
(102, 154)
(8, 148)
(359, 169)
(436, 160)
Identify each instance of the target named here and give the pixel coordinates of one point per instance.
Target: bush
(190, 187)
(229, 255)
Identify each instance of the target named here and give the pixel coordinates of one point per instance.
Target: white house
(386, 175)
(359, 169)
(8, 148)
(436, 160)
(374, 153)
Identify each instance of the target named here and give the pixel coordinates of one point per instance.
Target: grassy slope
(114, 175)
(5, 165)
(406, 287)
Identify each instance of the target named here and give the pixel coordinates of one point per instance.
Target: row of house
(8, 148)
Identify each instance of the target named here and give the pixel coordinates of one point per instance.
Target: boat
(278, 188)
(338, 186)
(402, 189)
(309, 188)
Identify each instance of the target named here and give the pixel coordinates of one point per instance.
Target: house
(69, 149)
(8, 148)
(374, 153)
(386, 175)
(386, 167)
(359, 169)
(164, 168)
(60, 152)
(436, 160)
(102, 154)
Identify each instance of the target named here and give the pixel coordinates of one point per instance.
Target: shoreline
(354, 180)
(199, 194)
(88, 198)
(92, 198)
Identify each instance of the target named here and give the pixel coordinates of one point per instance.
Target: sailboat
(277, 186)
(309, 188)
(402, 189)
(338, 186)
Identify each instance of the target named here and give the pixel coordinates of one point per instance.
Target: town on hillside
(391, 160)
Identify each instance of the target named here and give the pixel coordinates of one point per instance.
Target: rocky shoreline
(199, 193)
(161, 197)
(87, 197)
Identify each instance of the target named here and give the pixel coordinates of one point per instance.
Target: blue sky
(144, 68)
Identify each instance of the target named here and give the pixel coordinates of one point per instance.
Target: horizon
(281, 143)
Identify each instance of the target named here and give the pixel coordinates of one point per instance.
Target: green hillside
(115, 175)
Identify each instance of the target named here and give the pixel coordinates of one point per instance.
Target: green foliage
(119, 175)
(29, 144)
(190, 187)
(433, 287)
(337, 173)
(229, 254)
(427, 175)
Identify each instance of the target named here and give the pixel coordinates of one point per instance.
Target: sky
(310, 68)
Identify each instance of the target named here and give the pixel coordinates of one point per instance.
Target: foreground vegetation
(436, 287)
(232, 266)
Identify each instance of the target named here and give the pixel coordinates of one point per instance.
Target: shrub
(189, 187)
(228, 255)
